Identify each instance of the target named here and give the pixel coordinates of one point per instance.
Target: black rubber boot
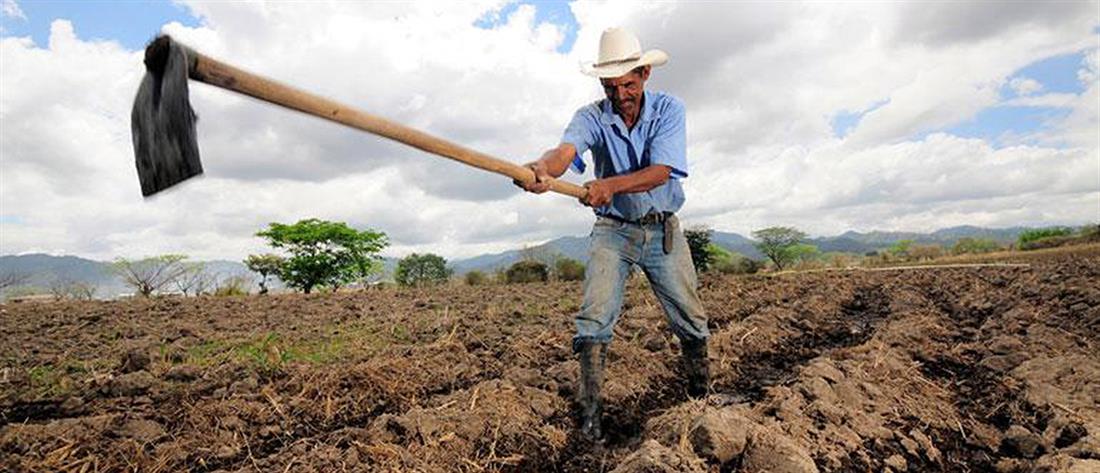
(592, 357)
(696, 367)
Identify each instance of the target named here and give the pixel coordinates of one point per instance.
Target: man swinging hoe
(638, 147)
(636, 139)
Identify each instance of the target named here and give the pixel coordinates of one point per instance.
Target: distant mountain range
(43, 270)
(849, 242)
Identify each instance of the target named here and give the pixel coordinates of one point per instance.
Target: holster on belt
(670, 230)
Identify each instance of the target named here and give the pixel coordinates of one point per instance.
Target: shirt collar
(649, 110)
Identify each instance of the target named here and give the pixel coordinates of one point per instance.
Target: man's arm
(552, 164)
(600, 191)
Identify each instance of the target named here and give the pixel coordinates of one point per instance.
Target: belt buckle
(651, 218)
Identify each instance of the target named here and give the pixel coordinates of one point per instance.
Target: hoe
(163, 123)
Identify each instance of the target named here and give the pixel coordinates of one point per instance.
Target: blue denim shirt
(657, 138)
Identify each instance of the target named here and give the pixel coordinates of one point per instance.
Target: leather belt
(647, 219)
(666, 218)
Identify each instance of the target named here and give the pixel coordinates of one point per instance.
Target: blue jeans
(614, 247)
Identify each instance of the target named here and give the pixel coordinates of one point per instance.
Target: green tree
(149, 275)
(569, 269)
(527, 271)
(777, 244)
(900, 249)
(420, 270)
(266, 265)
(698, 238)
(324, 253)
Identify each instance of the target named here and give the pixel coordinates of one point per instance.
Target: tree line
(320, 254)
(331, 255)
(788, 247)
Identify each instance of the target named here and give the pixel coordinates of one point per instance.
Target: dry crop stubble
(933, 369)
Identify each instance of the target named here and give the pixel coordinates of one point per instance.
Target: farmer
(638, 146)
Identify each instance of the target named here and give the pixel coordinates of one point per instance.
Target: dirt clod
(182, 373)
(1070, 434)
(134, 360)
(720, 435)
(653, 457)
(130, 384)
(772, 451)
(1021, 443)
(143, 430)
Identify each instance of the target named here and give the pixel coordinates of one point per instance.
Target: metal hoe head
(162, 121)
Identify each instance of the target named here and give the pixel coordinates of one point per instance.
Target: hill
(43, 269)
(848, 242)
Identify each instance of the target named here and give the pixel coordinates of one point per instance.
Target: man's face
(625, 92)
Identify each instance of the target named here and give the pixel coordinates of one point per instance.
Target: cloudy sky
(828, 117)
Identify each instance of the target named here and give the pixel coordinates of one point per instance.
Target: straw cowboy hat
(620, 52)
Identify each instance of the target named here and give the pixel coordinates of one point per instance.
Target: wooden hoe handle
(219, 74)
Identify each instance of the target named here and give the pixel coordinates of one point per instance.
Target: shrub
(803, 253)
(718, 256)
(232, 286)
(527, 271)
(475, 278)
(925, 252)
(738, 264)
(730, 262)
(837, 259)
(974, 245)
(568, 269)
(1030, 236)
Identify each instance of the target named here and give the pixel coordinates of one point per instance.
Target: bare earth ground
(937, 369)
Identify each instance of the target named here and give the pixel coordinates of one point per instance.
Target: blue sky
(556, 12)
(129, 22)
(1057, 74)
(132, 23)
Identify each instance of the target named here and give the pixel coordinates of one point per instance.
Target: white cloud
(1025, 86)
(10, 9)
(761, 82)
(1045, 100)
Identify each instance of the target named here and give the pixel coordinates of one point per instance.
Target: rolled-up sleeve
(669, 145)
(582, 133)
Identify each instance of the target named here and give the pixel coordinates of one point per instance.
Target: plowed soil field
(933, 369)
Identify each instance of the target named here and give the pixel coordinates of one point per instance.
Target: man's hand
(542, 178)
(599, 193)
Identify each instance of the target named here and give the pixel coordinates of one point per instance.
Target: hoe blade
(162, 121)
